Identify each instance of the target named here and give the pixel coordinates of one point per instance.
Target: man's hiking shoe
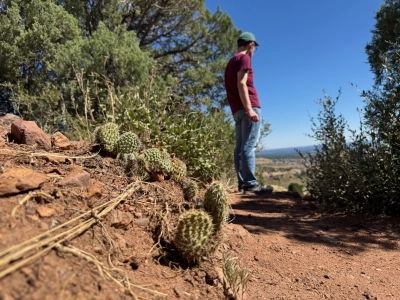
(257, 190)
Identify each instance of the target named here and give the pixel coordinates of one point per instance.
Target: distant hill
(285, 152)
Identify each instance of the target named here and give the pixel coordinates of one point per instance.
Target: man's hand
(253, 117)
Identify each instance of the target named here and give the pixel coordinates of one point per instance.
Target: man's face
(251, 49)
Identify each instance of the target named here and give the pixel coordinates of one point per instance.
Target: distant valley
(285, 152)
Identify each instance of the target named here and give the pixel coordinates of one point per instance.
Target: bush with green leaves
(360, 175)
(295, 187)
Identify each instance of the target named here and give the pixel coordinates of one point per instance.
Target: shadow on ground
(300, 220)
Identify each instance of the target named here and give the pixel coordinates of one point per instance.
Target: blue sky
(306, 46)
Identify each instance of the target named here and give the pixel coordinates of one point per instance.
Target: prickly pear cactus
(190, 190)
(216, 204)
(128, 143)
(178, 170)
(193, 234)
(108, 135)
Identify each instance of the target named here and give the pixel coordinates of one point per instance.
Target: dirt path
(295, 252)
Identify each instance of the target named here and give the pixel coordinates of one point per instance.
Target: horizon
(303, 51)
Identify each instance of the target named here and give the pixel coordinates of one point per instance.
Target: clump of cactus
(128, 143)
(108, 135)
(139, 167)
(165, 164)
(216, 204)
(193, 234)
(156, 161)
(178, 170)
(190, 190)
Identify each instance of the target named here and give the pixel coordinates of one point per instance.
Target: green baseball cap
(248, 37)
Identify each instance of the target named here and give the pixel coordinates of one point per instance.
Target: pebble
(43, 226)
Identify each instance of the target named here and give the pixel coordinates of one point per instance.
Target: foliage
(236, 278)
(295, 187)
(356, 176)
(186, 40)
(363, 175)
(383, 50)
(144, 65)
(203, 140)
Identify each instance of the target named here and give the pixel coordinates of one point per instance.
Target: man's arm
(244, 95)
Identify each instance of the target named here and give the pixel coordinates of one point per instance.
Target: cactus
(96, 133)
(157, 161)
(108, 135)
(178, 170)
(190, 190)
(128, 143)
(165, 163)
(128, 160)
(140, 166)
(193, 234)
(216, 204)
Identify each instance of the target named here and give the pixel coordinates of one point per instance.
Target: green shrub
(295, 187)
(357, 176)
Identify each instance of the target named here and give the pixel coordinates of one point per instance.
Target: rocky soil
(74, 226)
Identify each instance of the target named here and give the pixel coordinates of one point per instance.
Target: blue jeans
(247, 135)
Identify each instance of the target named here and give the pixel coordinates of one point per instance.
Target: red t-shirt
(238, 63)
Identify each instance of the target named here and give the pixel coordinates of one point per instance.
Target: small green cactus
(191, 189)
(128, 143)
(165, 162)
(108, 135)
(178, 170)
(128, 160)
(216, 204)
(157, 161)
(193, 234)
(140, 166)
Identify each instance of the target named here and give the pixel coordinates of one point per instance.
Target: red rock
(6, 154)
(8, 119)
(54, 159)
(45, 212)
(27, 132)
(120, 219)
(59, 140)
(94, 189)
(18, 180)
(77, 178)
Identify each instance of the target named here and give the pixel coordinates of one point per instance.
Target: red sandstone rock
(77, 178)
(59, 140)
(27, 132)
(18, 180)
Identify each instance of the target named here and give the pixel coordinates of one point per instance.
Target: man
(246, 110)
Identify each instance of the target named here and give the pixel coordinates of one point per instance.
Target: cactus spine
(216, 204)
(193, 234)
(128, 143)
(190, 190)
(178, 170)
(108, 135)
